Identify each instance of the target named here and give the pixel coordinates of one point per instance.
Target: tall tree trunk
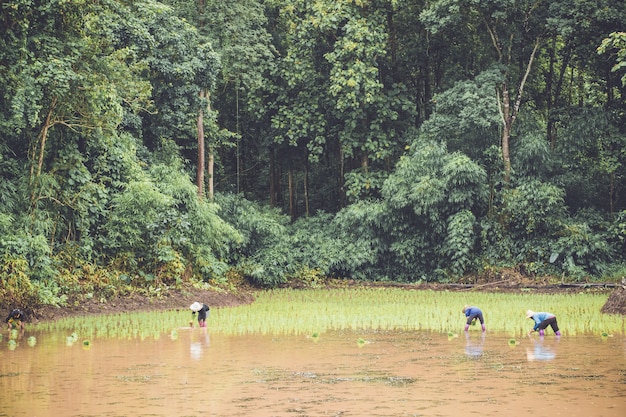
(509, 115)
(210, 173)
(306, 186)
(44, 138)
(550, 98)
(612, 193)
(210, 157)
(38, 151)
(554, 89)
(342, 176)
(392, 41)
(292, 205)
(200, 167)
(507, 123)
(238, 144)
(365, 163)
(272, 175)
(423, 83)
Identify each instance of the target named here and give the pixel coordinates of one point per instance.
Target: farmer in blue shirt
(543, 320)
(473, 313)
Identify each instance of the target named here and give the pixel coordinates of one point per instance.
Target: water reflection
(540, 351)
(396, 374)
(474, 348)
(200, 340)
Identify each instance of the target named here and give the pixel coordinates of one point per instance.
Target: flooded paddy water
(200, 372)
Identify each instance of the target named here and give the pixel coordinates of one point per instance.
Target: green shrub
(459, 244)
(15, 284)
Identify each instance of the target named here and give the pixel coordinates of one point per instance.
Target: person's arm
(534, 327)
(538, 318)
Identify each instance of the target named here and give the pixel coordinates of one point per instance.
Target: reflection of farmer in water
(474, 348)
(473, 313)
(543, 320)
(540, 352)
(14, 319)
(202, 310)
(200, 342)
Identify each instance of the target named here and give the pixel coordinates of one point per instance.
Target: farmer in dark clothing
(473, 313)
(203, 312)
(14, 319)
(543, 320)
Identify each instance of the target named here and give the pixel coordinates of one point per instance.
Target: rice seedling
(71, 339)
(313, 312)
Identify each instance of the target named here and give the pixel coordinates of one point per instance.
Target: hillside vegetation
(149, 146)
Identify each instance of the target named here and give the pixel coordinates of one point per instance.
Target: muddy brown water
(341, 373)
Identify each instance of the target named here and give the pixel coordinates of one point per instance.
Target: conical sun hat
(196, 307)
(529, 314)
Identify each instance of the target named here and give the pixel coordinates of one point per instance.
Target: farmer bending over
(473, 313)
(543, 320)
(202, 310)
(14, 319)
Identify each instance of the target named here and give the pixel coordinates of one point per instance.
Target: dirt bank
(174, 299)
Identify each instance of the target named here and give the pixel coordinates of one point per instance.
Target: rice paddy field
(349, 352)
(298, 312)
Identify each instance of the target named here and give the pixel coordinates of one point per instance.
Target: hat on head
(196, 307)
(465, 309)
(529, 314)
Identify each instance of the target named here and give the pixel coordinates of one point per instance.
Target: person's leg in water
(482, 321)
(551, 321)
(554, 326)
(473, 317)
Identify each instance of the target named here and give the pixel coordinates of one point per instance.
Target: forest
(145, 144)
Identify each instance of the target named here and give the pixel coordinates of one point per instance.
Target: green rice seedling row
(308, 312)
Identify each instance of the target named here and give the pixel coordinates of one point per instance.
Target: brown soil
(173, 299)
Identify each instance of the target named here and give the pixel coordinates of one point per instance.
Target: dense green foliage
(367, 139)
